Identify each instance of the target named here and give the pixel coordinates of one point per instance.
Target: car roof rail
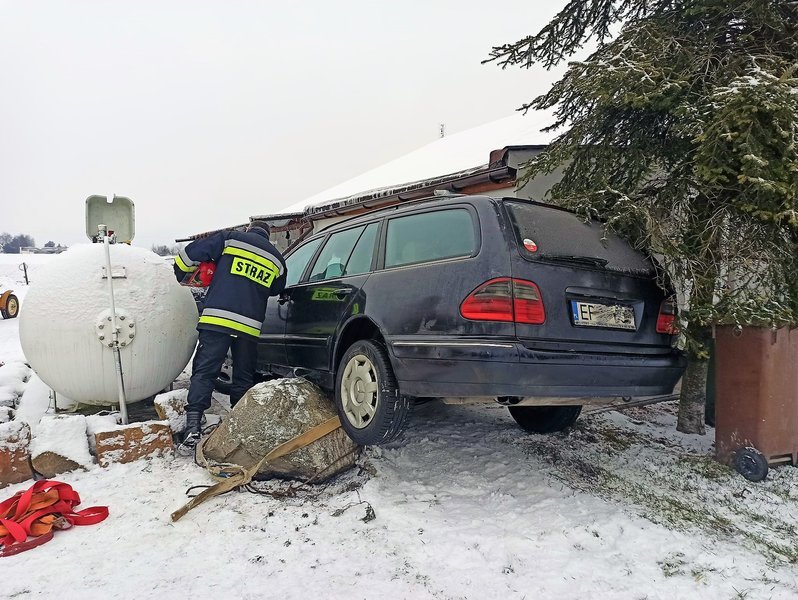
(436, 195)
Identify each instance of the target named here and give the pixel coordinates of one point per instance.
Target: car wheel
(224, 380)
(12, 307)
(367, 397)
(545, 419)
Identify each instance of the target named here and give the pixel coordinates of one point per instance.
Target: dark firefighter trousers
(208, 361)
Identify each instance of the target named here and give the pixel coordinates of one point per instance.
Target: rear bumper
(488, 368)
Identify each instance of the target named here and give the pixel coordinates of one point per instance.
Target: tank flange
(125, 327)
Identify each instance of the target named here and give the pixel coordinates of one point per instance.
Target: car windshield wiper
(592, 261)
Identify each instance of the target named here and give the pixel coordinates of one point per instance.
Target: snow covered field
(463, 505)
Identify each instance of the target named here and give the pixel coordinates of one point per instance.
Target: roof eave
(454, 182)
(496, 170)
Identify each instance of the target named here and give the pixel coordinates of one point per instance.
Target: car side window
(360, 261)
(429, 236)
(296, 263)
(335, 254)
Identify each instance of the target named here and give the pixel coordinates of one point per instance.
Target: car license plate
(613, 316)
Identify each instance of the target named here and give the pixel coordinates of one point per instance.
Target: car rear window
(542, 232)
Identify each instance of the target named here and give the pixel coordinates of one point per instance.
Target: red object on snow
(34, 513)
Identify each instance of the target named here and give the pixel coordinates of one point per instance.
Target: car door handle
(342, 292)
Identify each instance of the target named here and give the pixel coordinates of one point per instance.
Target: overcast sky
(204, 113)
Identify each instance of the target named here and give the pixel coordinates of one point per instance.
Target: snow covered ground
(463, 505)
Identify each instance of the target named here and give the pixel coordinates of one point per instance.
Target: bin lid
(119, 215)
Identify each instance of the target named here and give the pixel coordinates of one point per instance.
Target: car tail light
(666, 321)
(492, 301)
(527, 303)
(505, 299)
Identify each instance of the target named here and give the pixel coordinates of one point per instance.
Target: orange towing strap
(44, 506)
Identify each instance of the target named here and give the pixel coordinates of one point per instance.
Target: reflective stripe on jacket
(249, 269)
(184, 263)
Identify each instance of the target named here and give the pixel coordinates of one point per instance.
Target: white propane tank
(65, 324)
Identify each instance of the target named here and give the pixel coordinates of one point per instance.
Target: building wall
(326, 222)
(279, 241)
(537, 187)
(501, 192)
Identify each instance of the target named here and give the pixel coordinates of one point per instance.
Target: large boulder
(272, 413)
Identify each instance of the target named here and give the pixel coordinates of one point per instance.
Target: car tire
(367, 397)
(751, 464)
(224, 380)
(545, 419)
(12, 307)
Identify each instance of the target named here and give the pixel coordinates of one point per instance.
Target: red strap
(58, 508)
(19, 513)
(23, 499)
(88, 516)
(23, 502)
(6, 505)
(13, 549)
(15, 530)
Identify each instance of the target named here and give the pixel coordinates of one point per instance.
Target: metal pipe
(120, 381)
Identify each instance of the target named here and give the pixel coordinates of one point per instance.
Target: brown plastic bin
(756, 401)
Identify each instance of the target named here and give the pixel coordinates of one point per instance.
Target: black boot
(193, 431)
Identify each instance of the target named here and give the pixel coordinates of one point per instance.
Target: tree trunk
(693, 398)
(702, 240)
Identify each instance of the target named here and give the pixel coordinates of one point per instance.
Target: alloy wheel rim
(359, 386)
(12, 307)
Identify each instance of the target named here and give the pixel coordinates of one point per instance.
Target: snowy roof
(454, 154)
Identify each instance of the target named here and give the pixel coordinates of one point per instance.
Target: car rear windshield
(550, 233)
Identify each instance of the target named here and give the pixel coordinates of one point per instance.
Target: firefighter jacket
(248, 270)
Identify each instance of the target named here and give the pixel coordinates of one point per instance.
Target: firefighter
(248, 270)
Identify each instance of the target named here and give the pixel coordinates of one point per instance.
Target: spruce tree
(681, 133)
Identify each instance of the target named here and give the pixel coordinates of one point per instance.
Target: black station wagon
(465, 296)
